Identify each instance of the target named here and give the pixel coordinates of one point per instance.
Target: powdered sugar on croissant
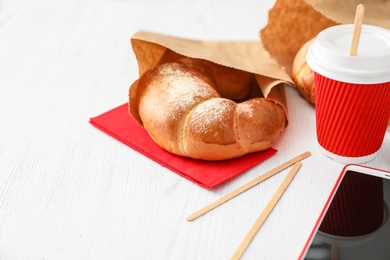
(187, 108)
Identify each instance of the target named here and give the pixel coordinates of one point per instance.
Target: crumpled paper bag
(293, 23)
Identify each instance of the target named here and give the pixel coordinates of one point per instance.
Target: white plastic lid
(329, 54)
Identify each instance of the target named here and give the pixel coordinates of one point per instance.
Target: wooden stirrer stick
(247, 186)
(357, 30)
(264, 215)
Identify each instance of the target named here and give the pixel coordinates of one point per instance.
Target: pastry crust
(195, 108)
(302, 74)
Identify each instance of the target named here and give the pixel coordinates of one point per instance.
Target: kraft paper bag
(293, 23)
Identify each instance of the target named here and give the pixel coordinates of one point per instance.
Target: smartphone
(356, 209)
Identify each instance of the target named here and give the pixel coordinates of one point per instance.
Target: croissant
(187, 108)
(302, 74)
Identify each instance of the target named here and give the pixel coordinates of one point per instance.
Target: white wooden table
(68, 191)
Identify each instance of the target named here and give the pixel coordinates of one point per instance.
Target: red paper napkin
(119, 124)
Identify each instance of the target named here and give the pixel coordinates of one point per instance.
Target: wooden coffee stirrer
(247, 186)
(357, 30)
(264, 215)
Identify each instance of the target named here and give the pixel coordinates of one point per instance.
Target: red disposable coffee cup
(352, 92)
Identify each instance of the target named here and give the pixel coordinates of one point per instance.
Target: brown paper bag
(292, 23)
(152, 49)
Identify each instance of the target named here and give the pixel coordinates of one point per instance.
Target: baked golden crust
(187, 108)
(302, 74)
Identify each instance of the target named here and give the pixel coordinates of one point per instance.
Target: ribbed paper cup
(351, 119)
(352, 92)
